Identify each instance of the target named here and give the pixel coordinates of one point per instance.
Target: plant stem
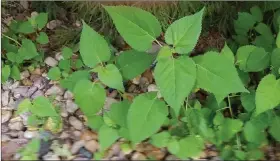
(231, 113)
(11, 39)
(158, 43)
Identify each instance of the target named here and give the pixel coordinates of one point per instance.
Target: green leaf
(28, 49)
(54, 73)
(164, 52)
(41, 20)
(95, 122)
(173, 146)
(275, 61)
(175, 79)
(253, 133)
(145, 116)
(42, 38)
(65, 65)
(229, 128)
(252, 59)
(71, 81)
(25, 28)
(265, 31)
(15, 73)
(257, 13)
(183, 34)
(111, 76)
(6, 71)
(190, 146)
(267, 94)
(248, 101)
(42, 107)
(93, 47)
(139, 28)
(274, 129)
(278, 40)
(118, 112)
(212, 103)
(218, 75)
(106, 137)
(78, 63)
(67, 53)
(226, 52)
(23, 106)
(87, 94)
(33, 146)
(133, 63)
(244, 23)
(161, 139)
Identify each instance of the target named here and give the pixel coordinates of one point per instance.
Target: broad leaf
(95, 122)
(93, 47)
(218, 75)
(23, 106)
(161, 139)
(173, 146)
(71, 81)
(15, 58)
(6, 71)
(42, 38)
(275, 61)
(54, 73)
(139, 28)
(190, 146)
(257, 13)
(228, 129)
(106, 137)
(15, 73)
(41, 20)
(42, 107)
(28, 49)
(67, 53)
(145, 116)
(25, 27)
(265, 31)
(65, 65)
(89, 96)
(248, 101)
(244, 23)
(164, 52)
(267, 94)
(183, 34)
(175, 79)
(118, 113)
(111, 76)
(133, 63)
(254, 133)
(226, 52)
(252, 59)
(278, 40)
(274, 129)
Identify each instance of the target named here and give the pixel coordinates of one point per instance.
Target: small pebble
(14, 85)
(31, 91)
(71, 107)
(54, 24)
(54, 90)
(30, 134)
(76, 123)
(77, 146)
(24, 74)
(5, 116)
(22, 90)
(88, 135)
(68, 95)
(37, 94)
(51, 156)
(138, 156)
(136, 80)
(5, 98)
(50, 61)
(36, 71)
(92, 146)
(16, 124)
(58, 56)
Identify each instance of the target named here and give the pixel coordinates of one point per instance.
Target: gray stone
(40, 82)
(63, 111)
(22, 90)
(138, 156)
(76, 123)
(58, 56)
(51, 156)
(5, 98)
(4, 128)
(15, 126)
(24, 74)
(77, 146)
(71, 107)
(55, 90)
(24, 116)
(31, 91)
(5, 116)
(68, 95)
(37, 94)
(54, 24)
(6, 86)
(59, 98)
(50, 61)
(92, 146)
(5, 138)
(14, 85)
(30, 134)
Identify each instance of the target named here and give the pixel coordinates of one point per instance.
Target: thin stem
(11, 39)
(231, 113)
(158, 43)
(187, 103)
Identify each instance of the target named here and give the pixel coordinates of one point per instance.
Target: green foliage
(42, 38)
(29, 152)
(54, 73)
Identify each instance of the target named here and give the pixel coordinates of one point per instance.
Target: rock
(54, 24)
(22, 90)
(77, 146)
(34, 14)
(71, 107)
(171, 157)
(27, 82)
(7, 85)
(131, 88)
(36, 72)
(44, 147)
(138, 156)
(76, 123)
(4, 128)
(216, 159)
(152, 88)
(136, 80)
(58, 56)
(63, 111)
(68, 95)
(113, 94)
(5, 138)
(5, 116)
(117, 158)
(37, 94)
(31, 91)
(40, 82)
(157, 154)
(76, 134)
(24, 74)
(5, 98)
(30, 134)
(17, 96)
(212, 153)
(85, 153)
(15, 124)
(14, 85)
(51, 156)
(144, 83)
(154, 49)
(24, 116)
(64, 135)
(92, 146)
(51, 61)
(9, 149)
(108, 102)
(59, 98)
(54, 90)
(24, 4)
(88, 135)
(78, 23)
(114, 150)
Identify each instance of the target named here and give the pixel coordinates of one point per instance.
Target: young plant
(21, 44)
